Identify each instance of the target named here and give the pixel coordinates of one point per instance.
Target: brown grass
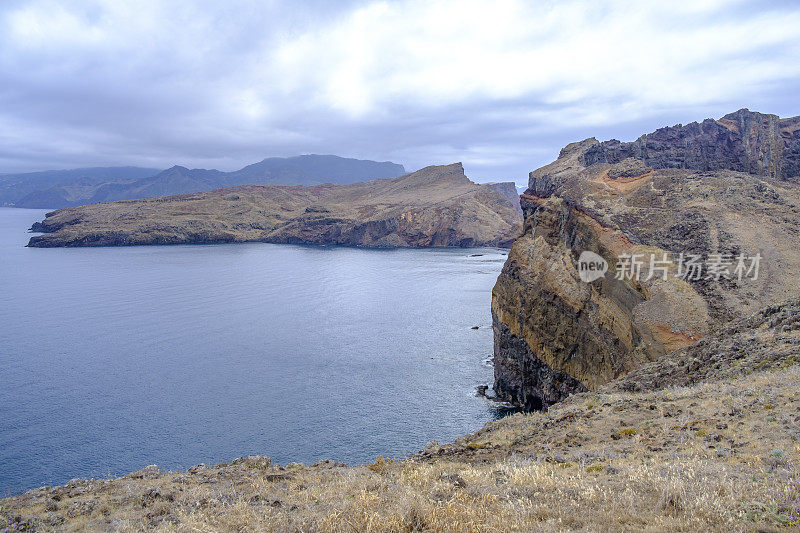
(719, 456)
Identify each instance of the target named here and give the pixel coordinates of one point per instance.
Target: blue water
(116, 358)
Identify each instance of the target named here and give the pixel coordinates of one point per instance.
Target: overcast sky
(500, 85)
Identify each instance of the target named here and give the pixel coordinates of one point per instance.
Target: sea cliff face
(727, 188)
(435, 206)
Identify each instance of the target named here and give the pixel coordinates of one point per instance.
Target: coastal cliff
(435, 206)
(718, 190)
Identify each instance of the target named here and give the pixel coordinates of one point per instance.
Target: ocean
(116, 358)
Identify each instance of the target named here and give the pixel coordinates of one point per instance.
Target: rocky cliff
(744, 141)
(507, 189)
(435, 206)
(721, 199)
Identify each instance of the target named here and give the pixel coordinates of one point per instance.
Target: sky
(500, 86)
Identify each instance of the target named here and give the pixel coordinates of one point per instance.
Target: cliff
(508, 189)
(744, 141)
(435, 206)
(724, 191)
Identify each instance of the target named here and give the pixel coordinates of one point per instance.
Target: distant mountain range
(55, 189)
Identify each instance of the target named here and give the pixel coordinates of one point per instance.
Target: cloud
(560, 54)
(500, 86)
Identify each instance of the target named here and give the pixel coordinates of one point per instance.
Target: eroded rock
(693, 190)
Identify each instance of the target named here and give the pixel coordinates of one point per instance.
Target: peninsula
(435, 206)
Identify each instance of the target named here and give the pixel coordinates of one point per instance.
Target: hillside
(66, 188)
(718, 194)
(436, 206)
(718, 455)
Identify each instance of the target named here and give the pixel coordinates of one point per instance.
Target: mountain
(714, 193)
(509, 191)
(69, 188)
(299, 170)
(314, 170)
(435, 206)
(57, 188)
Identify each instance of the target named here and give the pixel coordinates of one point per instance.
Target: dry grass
(720, 456)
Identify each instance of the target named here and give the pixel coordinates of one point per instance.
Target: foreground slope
(435, 206)
(719, 189)
(718, 455)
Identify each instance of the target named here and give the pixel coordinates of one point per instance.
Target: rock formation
(766, 340)
(721, 190)
(744, 141)
(435, 206)
(509, 190)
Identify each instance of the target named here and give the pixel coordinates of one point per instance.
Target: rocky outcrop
(508, 190)
(744, 141)
(766, 340)
(435, 206)
(556, 334)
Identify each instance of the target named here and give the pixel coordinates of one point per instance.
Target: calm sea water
(116, 358)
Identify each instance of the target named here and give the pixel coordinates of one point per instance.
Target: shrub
(380, 465)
